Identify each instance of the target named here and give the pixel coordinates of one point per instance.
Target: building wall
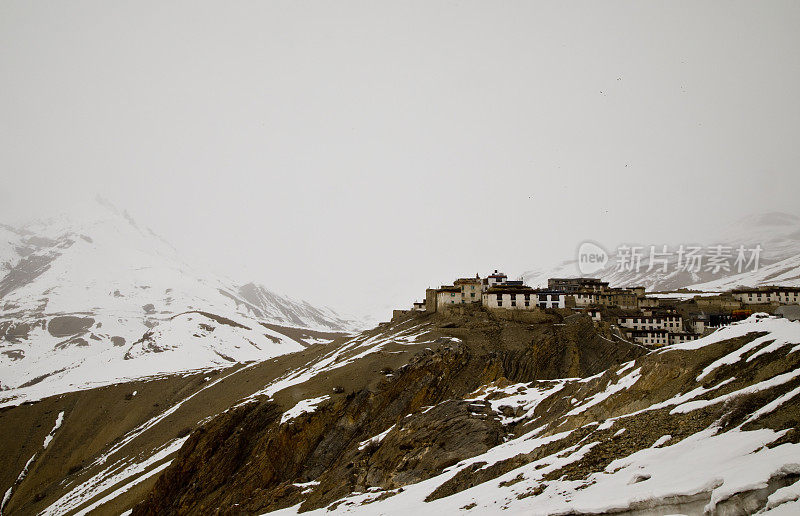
(550, 300)
(768, 296)
(680, 338)
(585, 298)
(471, 292)
(671, 323)
(443, 299)
(648, 302)
(654, 338)
(430, 300)
(517, 302)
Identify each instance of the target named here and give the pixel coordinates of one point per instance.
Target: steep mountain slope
(115, 440)
(81, 296)
(468, 412)
(706, 427)
(778, 234)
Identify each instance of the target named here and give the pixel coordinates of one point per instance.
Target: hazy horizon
(352, 154)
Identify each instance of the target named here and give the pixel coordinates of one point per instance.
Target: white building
(764, 295)
(668, 322)
(494, 279)
(510, 297)
(447, 296)
(649, 337)
(550, 299)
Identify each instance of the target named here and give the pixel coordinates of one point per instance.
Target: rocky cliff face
(492, 419)
(249, 460)
(459, 412)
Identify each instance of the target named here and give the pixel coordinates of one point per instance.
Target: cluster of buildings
(648, 320)
(493, 291)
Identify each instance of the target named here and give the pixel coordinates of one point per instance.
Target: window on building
(513, 303)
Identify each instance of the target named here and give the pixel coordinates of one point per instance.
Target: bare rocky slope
(468, 412)
(466, 425)
(127, 431)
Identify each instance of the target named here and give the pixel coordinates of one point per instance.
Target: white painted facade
(671, 323)
(649, 337)
(496, 278)
(518, 300)
(550, 299)
(784, 296)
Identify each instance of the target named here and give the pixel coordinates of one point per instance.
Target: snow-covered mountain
(94, 297)
(777, 234)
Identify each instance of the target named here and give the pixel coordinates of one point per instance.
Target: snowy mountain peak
(92, 282)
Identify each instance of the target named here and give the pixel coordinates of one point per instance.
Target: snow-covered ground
(700, 471)
(92, 298)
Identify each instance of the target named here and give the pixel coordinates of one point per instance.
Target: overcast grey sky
(353, 153)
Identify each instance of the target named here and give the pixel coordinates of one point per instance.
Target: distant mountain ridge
(77, 292)
(777, 233)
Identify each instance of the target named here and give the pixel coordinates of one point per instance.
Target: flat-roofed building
(550, 298)
(681, 337)
(570, 285)
(471, 289)
(448, 295)
(648, 337)
(669, 322)
(586, 298)
(766, 295)
(510, 297)
(619, 297)
(496, 278)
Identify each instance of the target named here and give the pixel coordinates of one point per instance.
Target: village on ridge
(655, 320)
